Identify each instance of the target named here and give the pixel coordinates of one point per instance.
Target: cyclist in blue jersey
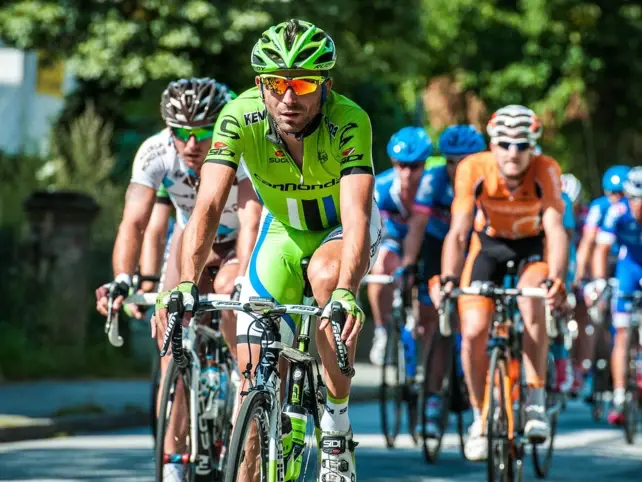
(613, 186)
(623, 226)
(416, 207)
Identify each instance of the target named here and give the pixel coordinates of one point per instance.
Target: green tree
(576, 63)
(122, 51)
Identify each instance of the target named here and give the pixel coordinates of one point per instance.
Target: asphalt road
(585, 451)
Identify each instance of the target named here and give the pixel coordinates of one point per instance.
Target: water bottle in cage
(210, 386)
(410, 345)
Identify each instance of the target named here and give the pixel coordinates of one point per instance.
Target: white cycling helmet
(633, 183)
(571, 186)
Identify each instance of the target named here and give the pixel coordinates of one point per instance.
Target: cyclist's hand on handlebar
(354, 315)
(406, 274)
(119, 289)
(593, 291)
(556, 293)
(134, 311)
(189, 292)
(438, 287)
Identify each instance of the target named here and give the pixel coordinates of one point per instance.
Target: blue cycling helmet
(614, 177)
(410, 144)
(461, 139)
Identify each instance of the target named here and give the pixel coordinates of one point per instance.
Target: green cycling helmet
(294, 44)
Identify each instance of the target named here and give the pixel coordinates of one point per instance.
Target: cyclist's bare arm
(601, 260)
(413, 240)
(356, 205)
(216, 182)
(249, 219)
(556, 243)
(151, 257)
(455, 243)
(584, 253)
(139, 202)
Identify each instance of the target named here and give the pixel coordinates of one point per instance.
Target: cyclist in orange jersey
(512, 198)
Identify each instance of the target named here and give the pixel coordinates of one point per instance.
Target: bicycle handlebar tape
(337, 320)
(176, 310)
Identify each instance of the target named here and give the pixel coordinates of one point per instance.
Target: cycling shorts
(429, 263)
(628, 274)
(274, 270)
(487, 261)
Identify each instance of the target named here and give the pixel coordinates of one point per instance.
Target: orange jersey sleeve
(467, 178)
(548, 176)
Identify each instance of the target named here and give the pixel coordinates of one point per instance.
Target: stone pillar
(60, 224)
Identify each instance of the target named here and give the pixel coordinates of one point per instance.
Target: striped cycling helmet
(514, 123)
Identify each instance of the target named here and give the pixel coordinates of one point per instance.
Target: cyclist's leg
(428, 325)
(323, 272)
(380, 296)
(628, 275)
(476, 313)
(225, 259)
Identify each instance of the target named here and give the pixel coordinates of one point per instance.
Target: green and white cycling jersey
(338, 142)
(301, 205)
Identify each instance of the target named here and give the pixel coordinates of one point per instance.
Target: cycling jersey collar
(274, 136)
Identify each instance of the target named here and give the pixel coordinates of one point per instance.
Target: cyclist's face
(614, 196)
(193, 152)
(513, 158)
(635, 204)
(409, 173)
(293, 112)
(452, 162)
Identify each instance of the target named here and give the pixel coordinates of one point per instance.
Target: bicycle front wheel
(249, 448)
(632, 400)
(434, 387)
(391, 390)
(174, 381)
(543, 453)
(498, 423)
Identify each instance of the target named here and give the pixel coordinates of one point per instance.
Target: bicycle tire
(543, 453)
(155, 389)
(432, 446)
(393, 376)
(168, 393)
(632, 400)
(499, 463)
(255, 406)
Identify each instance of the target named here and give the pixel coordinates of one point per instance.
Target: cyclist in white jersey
(173, 158)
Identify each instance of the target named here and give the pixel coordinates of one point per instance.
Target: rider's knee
(533, 275)
(474, 325)
(224, 281)
(323, 275)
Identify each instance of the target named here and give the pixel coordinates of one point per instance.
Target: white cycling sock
(380, 329)
(173, 472)
(476, 413)
(335, 418)
(619, 395)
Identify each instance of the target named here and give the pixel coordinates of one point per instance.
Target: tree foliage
(575, 62)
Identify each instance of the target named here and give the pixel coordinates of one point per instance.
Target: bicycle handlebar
(384, 279)
(491, 291)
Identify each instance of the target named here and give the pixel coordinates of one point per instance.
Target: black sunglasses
(409, 165)
(521, 146)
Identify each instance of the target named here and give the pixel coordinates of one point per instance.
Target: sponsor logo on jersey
(345, 137)
(351, 158)
(219, 145)
(291, 186)
(279, 153)
(331, 127)
(254, 117)
(348, 151)
(323, 156)
(229, 127)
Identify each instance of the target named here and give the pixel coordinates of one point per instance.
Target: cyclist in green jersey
(308, 153)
